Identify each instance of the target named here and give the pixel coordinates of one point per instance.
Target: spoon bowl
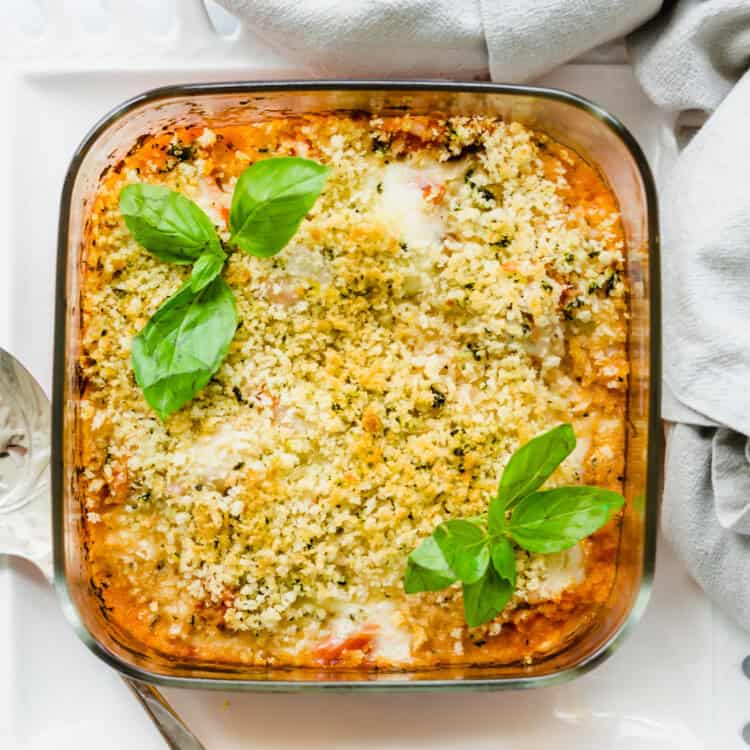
(25, 512)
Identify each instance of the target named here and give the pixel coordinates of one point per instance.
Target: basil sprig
(479, 552)
(185, 341)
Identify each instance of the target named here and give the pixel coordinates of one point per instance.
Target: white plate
(677, 682)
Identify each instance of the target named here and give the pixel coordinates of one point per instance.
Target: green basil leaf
(183, 344)
(532, 464)
(166, 223)
(496, 521)
(504, 560)
(486, 598)
(270, 200)
(206, 269)
(465, 548)
(554, 520)
(418, 579)
(426, 569)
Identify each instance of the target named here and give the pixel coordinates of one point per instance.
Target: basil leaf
(270, 200)
(531, 465)
(166, 223)
(504, 560)
(486, 598)
(183, 344)
(418, 579)
(206, 269)
(554, 520)
(496, 521)
(426, 569)
(464, 546)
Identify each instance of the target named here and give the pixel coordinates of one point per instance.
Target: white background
(676, 684)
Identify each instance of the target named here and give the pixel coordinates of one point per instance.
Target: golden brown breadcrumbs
(456, 290)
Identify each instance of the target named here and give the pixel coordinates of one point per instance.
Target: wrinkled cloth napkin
(690, 54)
(706, 287)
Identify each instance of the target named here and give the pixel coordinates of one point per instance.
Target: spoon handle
(174, 731)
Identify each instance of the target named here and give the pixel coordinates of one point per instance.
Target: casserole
(568, 120)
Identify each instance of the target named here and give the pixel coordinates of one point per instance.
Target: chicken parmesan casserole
(456, 289)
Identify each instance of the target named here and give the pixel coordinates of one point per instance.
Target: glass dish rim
(655, 438)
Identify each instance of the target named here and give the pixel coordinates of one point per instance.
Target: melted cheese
(403, 207)
(562, 570)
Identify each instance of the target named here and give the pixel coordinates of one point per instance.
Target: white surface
(676, 683)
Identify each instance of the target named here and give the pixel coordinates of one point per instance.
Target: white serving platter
(676, 683)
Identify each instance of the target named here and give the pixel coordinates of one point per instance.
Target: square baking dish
(575, 122)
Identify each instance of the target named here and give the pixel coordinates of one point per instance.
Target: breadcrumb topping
(456, 290)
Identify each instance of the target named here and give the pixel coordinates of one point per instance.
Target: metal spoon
(26, 510)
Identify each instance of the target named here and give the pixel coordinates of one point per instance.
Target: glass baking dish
(594, 134)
